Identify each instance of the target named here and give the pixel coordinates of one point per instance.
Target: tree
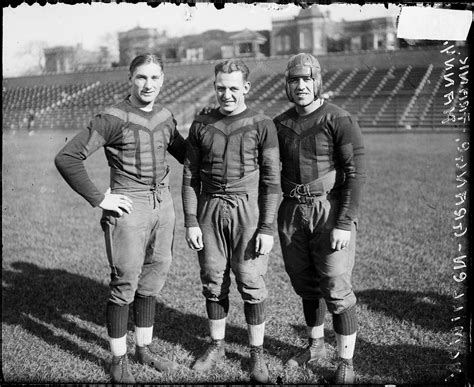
(30, 58)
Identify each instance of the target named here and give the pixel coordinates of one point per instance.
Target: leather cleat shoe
(214, 353)
(314, 351)
(258, 368)
(119, 370)
(146, 356)
(344, 372)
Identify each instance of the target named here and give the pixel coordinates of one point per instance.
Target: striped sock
(254, 313)
(144, 310)
(217, 310)
(345, 323)
(314, 312)
(116, 319)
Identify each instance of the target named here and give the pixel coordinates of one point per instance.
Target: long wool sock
(345, 327)
(116, 317)
(254, 313)
(118, 345)
(345, 323)
(314, 312)
(144, 310)
(217, 310)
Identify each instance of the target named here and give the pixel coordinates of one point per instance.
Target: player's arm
(70, 163)
(191, 188)
(269, 186)
(350, 155)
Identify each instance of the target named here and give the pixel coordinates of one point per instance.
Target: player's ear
(247, 86)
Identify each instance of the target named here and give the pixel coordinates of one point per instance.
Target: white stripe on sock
(315, 332)
(118, 346)
(256, 334)
(217, 329)
(143, 336)
(346, 345)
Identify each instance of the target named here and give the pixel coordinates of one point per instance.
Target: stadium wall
(379, 59)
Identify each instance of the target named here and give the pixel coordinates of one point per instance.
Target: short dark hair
(145, 58)
(231, 65)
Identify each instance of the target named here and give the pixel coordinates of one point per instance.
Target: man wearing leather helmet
(322, 155)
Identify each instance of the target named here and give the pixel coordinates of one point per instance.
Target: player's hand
(194, 238)
(263, 244)
(116, 202)
(339, 238)
(207, 109)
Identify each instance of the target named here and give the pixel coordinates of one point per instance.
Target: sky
(27, 29)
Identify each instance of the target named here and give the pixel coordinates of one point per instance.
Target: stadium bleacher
(399, 96)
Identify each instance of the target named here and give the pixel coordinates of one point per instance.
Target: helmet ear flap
(317, 85)
(287, 89)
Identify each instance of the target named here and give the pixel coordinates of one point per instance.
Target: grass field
(55, 276)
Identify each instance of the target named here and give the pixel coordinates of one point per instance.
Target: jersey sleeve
(350, 156)
(177, 144)
(191, 177)
(70, 159)
(269, 186)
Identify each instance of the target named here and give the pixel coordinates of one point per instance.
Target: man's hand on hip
(116, 202)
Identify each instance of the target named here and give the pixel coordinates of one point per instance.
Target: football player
(138, 213)
(322, 155)
(231, 188)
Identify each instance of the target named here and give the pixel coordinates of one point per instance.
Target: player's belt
(245, 185)
(123, 183)
(315, 190)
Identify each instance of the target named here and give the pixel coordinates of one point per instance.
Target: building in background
(66, 59)
(138, 40)
(310, 31)
(313, 31)
(373, 34)
(59, 59)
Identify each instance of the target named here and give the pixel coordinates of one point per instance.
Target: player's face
(302, 90)
(146, 82)
(230, 92)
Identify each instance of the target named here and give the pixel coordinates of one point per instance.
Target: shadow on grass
(40, 299)
(426, 309)
(403, 363)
